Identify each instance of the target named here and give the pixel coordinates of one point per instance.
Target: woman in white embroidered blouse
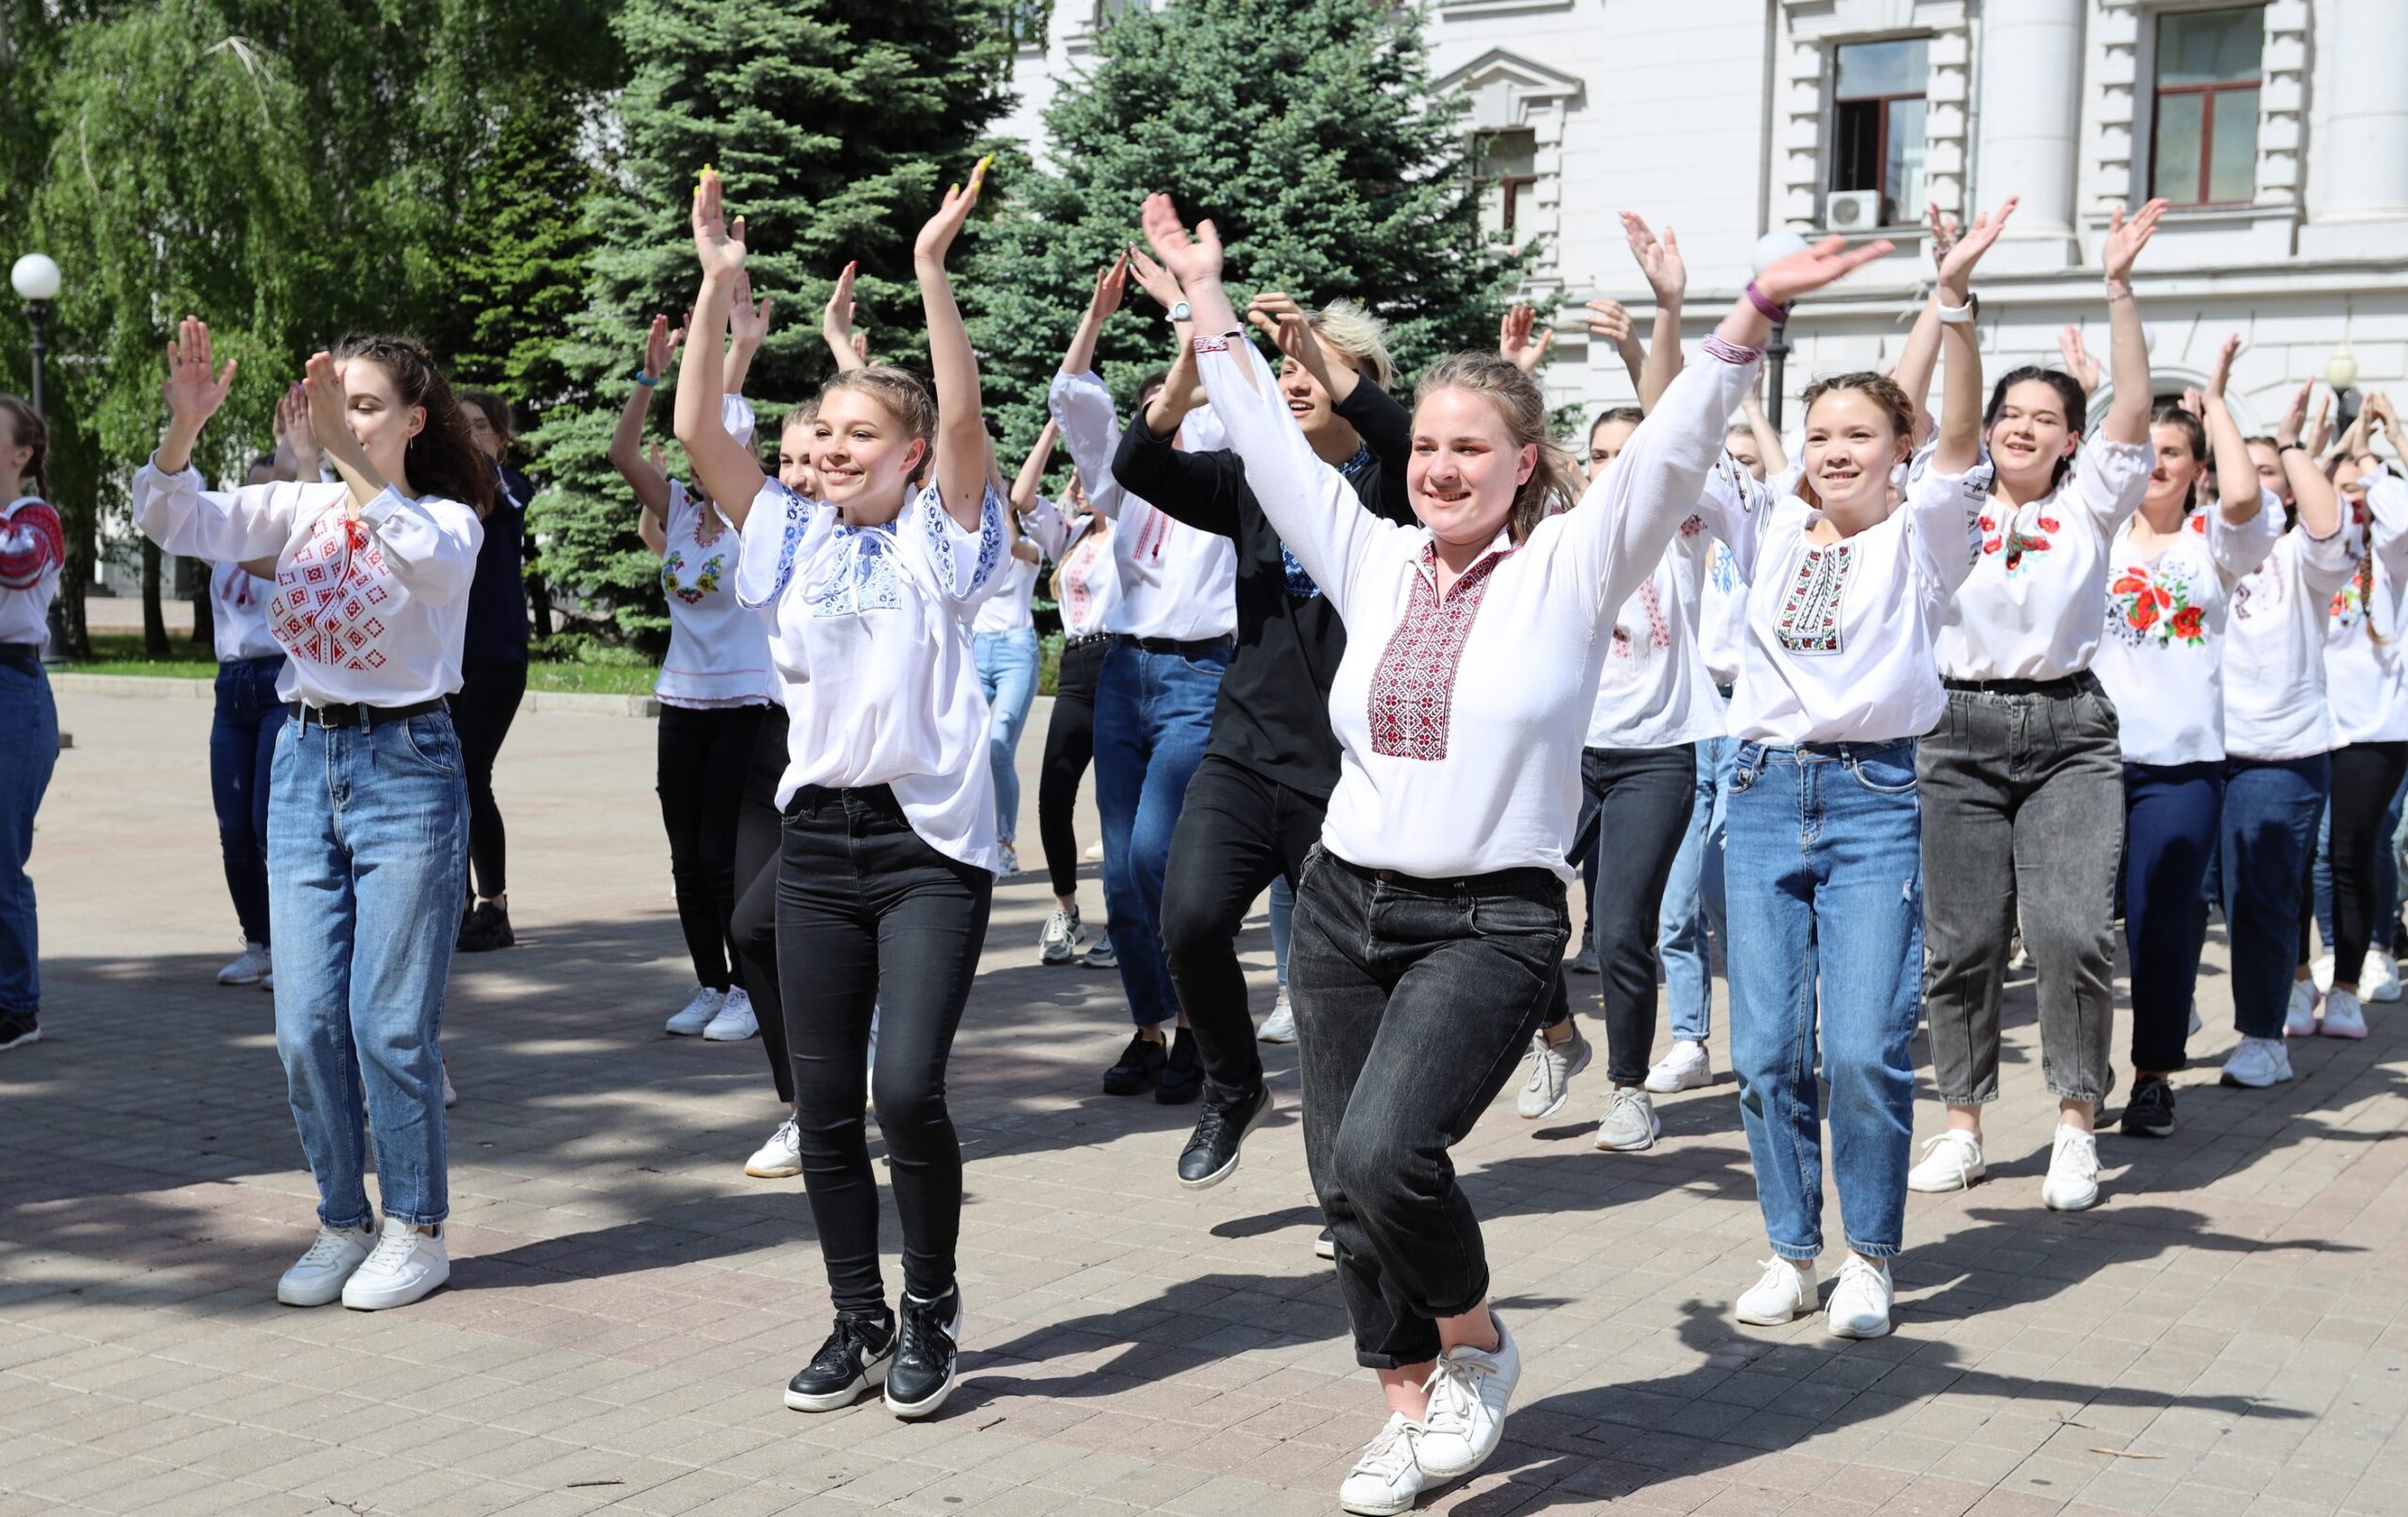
(2170, 576)
(1087, 585)
(2022, 779)
(33, 551)
(368, 809)
(887, 857)
(1430, 920)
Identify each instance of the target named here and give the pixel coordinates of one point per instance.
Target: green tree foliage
(837, 124)
(1306, 130)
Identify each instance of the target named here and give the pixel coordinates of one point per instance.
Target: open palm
(1810, 268)
(196, 386)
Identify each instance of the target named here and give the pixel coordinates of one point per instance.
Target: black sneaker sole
(1178, 1095)
(2144, 1130)
(914, 1411)
(873, 1377)
(31, 1034)
(1261, 1114)
(1128, 1088)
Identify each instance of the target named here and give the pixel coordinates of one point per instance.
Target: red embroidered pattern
(328, 596)
(1659, 628)
(1413, 689)
(1810, 613)
(31, 544)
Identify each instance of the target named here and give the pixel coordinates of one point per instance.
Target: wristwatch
(1969, 311)
(1181, 311)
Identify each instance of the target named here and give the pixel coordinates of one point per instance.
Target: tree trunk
(154, 619)
(204, 613)
(74, 582)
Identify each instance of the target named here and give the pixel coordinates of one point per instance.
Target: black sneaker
(1183, 1079)
(2400, 940)
(1212, 1155)
(1325, 1246)
(1140, 1066)
(853, 1360)
(2151, 1112)
(17, 1027)
(485, 928)
(926, 1356)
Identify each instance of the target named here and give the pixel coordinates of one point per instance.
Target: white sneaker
(316, 1277)
(2258, 1062)
(1280, 1026)
(2343, 1015)
(1630, 1123)
(1951, 1162)
(255, 966)
(1783, 1293)
(1388, 1479)
(1548, 1085)
(2195, 1023)
(735, 1021)
(451, 1097)
(2072, 1184)
(1059, 942)
(695, 1014)
(1861, 1302)
(1688, 1066)
(1468, 1391)
(2300, 1020)
(268, 982)
(2379, 977)
(2321, 971)
(781, 1158)
(405, 1265)
(1011, 865)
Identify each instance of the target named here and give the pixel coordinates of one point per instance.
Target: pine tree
(1306, 129)
(837, 124)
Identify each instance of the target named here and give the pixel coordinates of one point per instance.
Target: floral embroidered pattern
(332, 598)
(1659, 628)
(2015, 540)
(864, 575)
(2264, 582)
(32, 543)
(1810, 613)
(2151, 604)
(704, 584)
(1412, 688)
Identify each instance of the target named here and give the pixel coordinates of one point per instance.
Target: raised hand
(1521, 346)
(1153, 279)
(860, 347)
(718, 247)
(748, 322)
(2294, 420)
(2193, 401)
(1658, 259)
(2078, 361)
(1810, 268)
(1608, 320)
(2378, 406)
(1190, 260)
(660, 346)
(196, 386)
(1112, 287)
(323, 389)
(836, 322)
(1278, 317)
(1943, 232)
(935, 238)
(2222, 375)
(2125, 239)
(295, 434)
(1966, 250)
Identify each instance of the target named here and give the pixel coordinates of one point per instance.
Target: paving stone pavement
(2222, 1338)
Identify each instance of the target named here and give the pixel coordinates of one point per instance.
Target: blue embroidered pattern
(1355, 470)
(865, 577)
(798, 520)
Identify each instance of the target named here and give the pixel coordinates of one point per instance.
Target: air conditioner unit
(1852, 210)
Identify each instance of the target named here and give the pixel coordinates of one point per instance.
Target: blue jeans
(1283, 916)
(1693, 918)
(2170, 819)
(367, 839)
(1825, 879)
(242, 749)
(2266, 843)
(28, 751)
(1153, 715)
(1008, 674)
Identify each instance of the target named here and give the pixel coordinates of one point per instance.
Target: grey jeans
(2023, 816)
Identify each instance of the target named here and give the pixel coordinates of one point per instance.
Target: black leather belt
(1085, 640)
(2076, 683)
(1201, 649)
(345, 714)
(24, 655)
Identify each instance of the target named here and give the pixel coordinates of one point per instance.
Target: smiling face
(1466, 466)
(2178, 468)
(1852, 443)
(865, 457)
(373, 409)
(1308, 402)
(794, 458)
(2029, 435)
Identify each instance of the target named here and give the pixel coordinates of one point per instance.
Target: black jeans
(2365, 778)
(753, 925)
(482, 712)
(700, 774)
(1635, 805)
(1237, 832)
(1070, 748)
(870, 918)
(1415, 999)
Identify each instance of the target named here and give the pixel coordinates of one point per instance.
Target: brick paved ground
(2224, 1337)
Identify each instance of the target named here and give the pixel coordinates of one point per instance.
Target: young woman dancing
(493, 672)
(1431, 918)
(887, 857)
(2170, 579)
(33, 548)
(2022, 780)
(368, 813)
(1002, 636)
(714, 681)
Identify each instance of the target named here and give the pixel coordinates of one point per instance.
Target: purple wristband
(1772, 313)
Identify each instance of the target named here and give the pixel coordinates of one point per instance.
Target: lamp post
(1770, 250)
(2341, 371)
(37, 279)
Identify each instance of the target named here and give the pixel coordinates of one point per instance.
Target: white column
(2361, 168)
(2028, 125)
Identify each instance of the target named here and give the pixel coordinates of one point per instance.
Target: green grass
(120, 653)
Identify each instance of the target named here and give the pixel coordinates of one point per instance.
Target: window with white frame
(2203, 135)
(1505, 167)
(1024, 22)
(1878, 113)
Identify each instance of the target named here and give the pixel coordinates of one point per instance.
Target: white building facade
(2279, 129)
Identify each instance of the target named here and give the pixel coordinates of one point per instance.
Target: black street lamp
(37, 279)
(1770, 250)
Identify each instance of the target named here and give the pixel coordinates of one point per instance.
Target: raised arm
(1278, 316)
(845, 345)
(1032, 469)
(748, 328)
(724, 468)
(1609, 322)
(1520, 341)
(170, 505)
(961, 418)
(1669, 278)
(1957, 444)
(2236, 484)
(644, 475)
(1769, 447)
(2127, 418)
(2312, 493)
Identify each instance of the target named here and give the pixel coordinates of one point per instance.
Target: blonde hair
(904, 397)
(1359, 335)
(1522, 406)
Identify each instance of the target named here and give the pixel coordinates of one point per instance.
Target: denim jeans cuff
(420, 1220)
(1795, 1252)
(365, 1220)
(1373, 1359)
(1874, 1251)
(1951, 1097)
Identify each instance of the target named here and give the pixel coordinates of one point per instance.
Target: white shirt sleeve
(2326, 563)
(2111, 478)
(1316, 512)
(773, 540)
(2387, 505)
(253, 522)
(1052, 533)
(1736, 507)
(1082, 408)
(962, 564)
(1944, 526)
(2237, 548)
(430, 543)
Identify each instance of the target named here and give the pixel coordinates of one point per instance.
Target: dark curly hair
(441, 460)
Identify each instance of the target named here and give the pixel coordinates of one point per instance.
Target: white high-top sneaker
(696, 1014)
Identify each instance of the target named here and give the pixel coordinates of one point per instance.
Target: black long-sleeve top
(1273, 715)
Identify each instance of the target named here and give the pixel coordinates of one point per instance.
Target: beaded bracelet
(647, 381)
